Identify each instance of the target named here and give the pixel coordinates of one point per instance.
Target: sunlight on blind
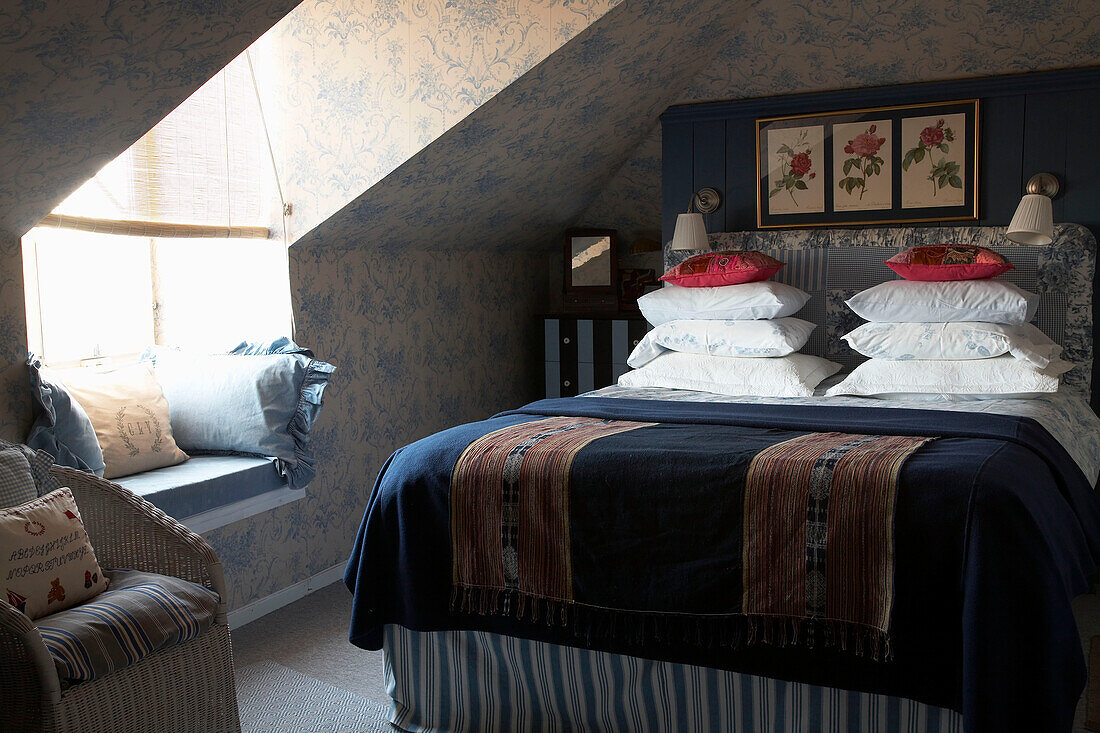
(207, 164)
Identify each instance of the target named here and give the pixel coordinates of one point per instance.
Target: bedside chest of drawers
(583, 352)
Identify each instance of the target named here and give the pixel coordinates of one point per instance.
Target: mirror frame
(613, 287)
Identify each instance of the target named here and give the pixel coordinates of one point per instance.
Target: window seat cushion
(204, 482)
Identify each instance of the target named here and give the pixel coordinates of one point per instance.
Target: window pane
(95, 294)
(215, 293)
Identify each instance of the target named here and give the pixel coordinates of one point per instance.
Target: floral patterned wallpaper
(360, 87)
(789, 48)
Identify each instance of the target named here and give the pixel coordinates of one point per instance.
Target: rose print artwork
(933, 173)
(908, 163)
(861, 166)
(795, 156)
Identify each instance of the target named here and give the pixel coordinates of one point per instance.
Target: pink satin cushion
(723, 268)
(942, 262)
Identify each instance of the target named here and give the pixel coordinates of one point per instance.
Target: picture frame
(874, 165)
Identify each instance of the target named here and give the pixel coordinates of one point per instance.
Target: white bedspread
(1067, 416)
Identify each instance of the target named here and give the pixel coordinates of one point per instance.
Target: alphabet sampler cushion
(46, 561)
(130, 416)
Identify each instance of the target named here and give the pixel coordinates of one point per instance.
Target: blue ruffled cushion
(61, 427)
(258, 399)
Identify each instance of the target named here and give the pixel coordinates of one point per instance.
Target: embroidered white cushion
(961, 340)
(763, 338)
(1002, 376)
(794, 375)
(46, 561)
(748, 301)
(917, 301)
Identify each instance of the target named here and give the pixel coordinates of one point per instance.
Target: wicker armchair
(188, 687)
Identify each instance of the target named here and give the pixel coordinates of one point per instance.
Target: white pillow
(747, 301)
(986, 301)
(962, 340)
(777, 337)
(1002, 376)
(795, 375)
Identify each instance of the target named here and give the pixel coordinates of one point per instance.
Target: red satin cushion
(723, 268)
(948, 262)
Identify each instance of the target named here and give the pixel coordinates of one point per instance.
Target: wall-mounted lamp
(690, 231)
(1033, 222)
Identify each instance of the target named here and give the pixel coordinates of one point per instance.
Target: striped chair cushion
(138, 614)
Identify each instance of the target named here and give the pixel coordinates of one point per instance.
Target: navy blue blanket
(996, 531)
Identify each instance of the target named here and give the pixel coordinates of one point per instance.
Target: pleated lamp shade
(1033, 222)
(690, 233)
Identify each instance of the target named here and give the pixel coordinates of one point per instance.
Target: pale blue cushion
(256, 400)
(61, 427)
(204, 482)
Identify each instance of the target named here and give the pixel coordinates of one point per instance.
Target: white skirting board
(284, 597)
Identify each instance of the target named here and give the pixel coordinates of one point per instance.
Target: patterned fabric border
(510, 513)
(818, 540)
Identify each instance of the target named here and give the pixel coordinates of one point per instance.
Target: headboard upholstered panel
(832, 264)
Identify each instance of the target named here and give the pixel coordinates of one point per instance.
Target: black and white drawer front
(583, 354)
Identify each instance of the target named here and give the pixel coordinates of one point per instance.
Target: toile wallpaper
(790, 48)
(360, 87)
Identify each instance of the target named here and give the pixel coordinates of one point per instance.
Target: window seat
(205, 483)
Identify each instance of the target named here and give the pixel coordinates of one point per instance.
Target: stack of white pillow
(950, 339)
(731, 339)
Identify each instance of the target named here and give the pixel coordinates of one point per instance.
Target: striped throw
(510, 514)
(139, 614)
(818, 540)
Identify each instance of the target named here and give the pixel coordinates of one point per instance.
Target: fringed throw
(818, 540)
(510, 517)
(812, 564)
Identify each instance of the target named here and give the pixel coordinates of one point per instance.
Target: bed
(641, 604)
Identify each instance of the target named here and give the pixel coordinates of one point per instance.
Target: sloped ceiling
(81, 81)
(527, 162)
(791, 48)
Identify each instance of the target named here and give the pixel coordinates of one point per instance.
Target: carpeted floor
(310, 636)
(276, 699)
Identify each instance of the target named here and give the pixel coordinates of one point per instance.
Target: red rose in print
(861, 163)
(932, 168)
(794, 157)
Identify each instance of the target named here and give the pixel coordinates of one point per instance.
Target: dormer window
(179, 241)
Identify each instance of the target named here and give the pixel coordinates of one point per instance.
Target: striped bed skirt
(458, 681)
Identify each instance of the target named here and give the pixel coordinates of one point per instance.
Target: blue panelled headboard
(833, 264)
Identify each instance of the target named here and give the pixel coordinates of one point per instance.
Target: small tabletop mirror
(591, 261)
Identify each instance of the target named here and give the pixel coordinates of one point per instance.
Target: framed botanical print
(876, 165)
